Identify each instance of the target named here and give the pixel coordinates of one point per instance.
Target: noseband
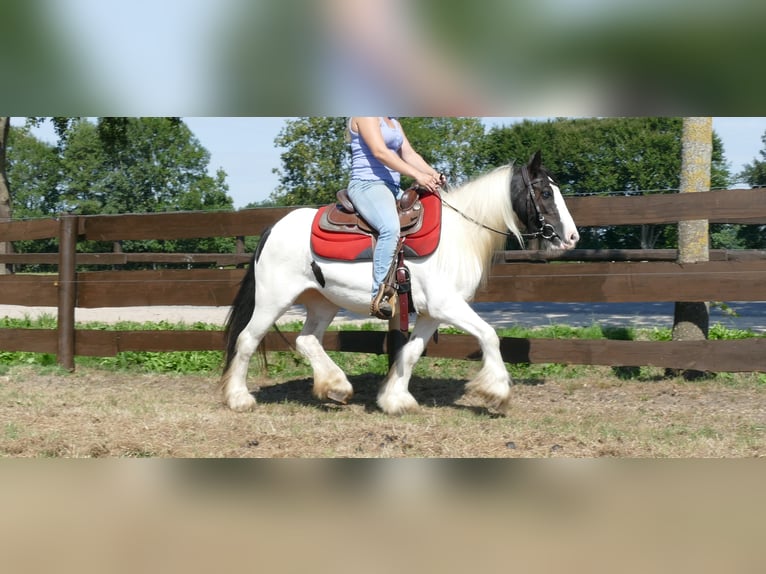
(545, 230)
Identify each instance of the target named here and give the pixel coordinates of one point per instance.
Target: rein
(472, 220)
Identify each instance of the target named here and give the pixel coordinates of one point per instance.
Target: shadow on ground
(427, 391)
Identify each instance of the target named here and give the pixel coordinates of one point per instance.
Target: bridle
(545, 230)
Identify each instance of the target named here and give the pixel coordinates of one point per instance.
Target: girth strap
(403, 287)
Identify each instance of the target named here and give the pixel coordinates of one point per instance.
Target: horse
(525, 200)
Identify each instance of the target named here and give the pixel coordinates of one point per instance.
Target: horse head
(540, 206)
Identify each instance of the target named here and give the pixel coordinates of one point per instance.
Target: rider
(380, 154)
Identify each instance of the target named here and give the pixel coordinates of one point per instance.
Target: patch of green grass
(719, 332)
(10, 358)
(289, 364)
(182, 362)
(44, 321)
(11, 431)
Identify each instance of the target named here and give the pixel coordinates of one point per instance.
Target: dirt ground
(95, 413)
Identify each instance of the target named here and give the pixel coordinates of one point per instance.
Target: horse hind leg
(234, 379)
(330, 382)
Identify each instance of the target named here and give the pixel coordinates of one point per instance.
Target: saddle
(342, 216)
(339, 233)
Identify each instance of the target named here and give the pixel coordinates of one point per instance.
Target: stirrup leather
(384, 304)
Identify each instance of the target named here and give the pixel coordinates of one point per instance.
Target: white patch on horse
(570, 235)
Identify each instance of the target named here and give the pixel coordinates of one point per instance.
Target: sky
(244, 148)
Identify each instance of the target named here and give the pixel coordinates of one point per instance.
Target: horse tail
(243, 306)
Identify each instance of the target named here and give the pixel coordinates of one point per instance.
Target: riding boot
(383, 305)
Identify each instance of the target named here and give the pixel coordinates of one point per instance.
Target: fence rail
(526, 276)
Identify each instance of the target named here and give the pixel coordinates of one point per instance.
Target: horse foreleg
(330, 381)
(394, 397)
(491, 388)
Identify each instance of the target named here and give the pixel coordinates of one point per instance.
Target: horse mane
(470, 247)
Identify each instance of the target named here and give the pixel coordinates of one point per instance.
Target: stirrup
(383, 305)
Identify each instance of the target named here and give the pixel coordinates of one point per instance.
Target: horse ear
(535, 162)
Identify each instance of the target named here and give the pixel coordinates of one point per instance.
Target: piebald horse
(524, 200)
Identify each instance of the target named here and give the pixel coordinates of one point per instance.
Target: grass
(140, 405)
(97, 413)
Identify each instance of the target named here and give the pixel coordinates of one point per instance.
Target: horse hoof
(339, 397)
(402, 405)
(241, 403)
(494, 404)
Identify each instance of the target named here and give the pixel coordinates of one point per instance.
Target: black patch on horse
(318, 273)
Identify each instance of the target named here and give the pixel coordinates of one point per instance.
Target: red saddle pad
(354, 247)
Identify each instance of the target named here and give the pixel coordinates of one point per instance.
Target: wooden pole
(67, 291)
(691, 319)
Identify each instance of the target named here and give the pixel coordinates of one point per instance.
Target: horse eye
(547, 194)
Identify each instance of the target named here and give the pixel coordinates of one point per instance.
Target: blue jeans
(376, 202)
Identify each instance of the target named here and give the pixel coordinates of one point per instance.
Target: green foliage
(448, 144)
(600, 156)
(316, 161)
(752, 236)
(138, 165)
(117, 165)
(34, 175)
(153, 362)
(44, 321)
(719, 332)
(728, 236)
(755, 173)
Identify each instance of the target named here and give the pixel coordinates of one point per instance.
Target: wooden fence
(525, 276)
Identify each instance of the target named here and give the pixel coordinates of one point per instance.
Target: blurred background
(419, 57)
(415, 58)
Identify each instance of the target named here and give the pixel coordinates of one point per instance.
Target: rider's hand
(429, 182)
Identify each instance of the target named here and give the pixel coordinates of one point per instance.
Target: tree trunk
(5, 190)
(691, 319)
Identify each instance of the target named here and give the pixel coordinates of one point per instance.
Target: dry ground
(94, 413)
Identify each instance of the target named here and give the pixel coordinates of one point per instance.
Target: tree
(5, 190)
(35, 170)
(448, 144)
(315, 162)
(137, 165)
(599, 156)
(755, 173)
(317, 159)
(745, 236)
(117, 165)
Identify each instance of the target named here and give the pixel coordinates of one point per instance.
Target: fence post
(67, 293)
(691, 318)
